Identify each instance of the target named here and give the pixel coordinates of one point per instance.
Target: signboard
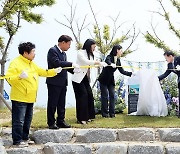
(134, 89)
(133, 94)
(5, 95)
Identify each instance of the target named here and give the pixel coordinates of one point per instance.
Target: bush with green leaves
(120, 105)
(120, 101)
(170, 89)
(170, 84)
(97, 102)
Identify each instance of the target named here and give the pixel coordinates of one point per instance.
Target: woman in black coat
(107, 83)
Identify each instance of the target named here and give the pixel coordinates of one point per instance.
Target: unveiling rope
(84, 66)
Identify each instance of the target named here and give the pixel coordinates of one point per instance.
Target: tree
(73, 24)
(104, 41)
(154, 38)
(11, 14)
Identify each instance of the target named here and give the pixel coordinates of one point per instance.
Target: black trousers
(107, 95)
(56, 102)
(84, 100)
(179, 100)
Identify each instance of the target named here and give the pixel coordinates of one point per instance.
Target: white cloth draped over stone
(151, 99)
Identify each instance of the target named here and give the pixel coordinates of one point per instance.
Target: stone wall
(98, 141)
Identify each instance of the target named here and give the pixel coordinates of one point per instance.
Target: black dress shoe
(64, 125)
(53, 127)
(105, 116)
(112, 115)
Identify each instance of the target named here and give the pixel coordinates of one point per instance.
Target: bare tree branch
(166, 16)
(99, 32)
(91, 34)
(154, 31)
(155, 40)
(71, 21)
(134, 37)
(115, 28)
(157, 13)
(62, 24)
(82, 26)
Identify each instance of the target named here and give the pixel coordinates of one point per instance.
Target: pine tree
(154, 38)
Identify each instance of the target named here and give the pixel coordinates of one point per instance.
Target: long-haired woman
(81, 83)
(107, 83)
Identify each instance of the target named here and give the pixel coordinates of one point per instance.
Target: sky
(46, 34)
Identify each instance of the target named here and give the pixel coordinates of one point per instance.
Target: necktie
(64, 56)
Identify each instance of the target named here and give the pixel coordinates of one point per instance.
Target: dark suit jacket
(107, 75)
(55, 59)
(170, 66)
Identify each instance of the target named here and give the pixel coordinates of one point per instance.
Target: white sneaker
(21, 145)
(82, 122)
(29, 142)
(90, 120)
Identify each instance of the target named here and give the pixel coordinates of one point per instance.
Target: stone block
(136, 134)
(173, 148)
(27, 150)
(63, 148)
(55, 136)
(169, 134)
(95, 135)
(145, 148)
(110, 148)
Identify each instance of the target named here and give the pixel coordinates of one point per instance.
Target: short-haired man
(57, 86)
(23, 76)
(173, 66)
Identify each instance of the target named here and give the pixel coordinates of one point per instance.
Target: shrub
(169, 86)
(119, 97)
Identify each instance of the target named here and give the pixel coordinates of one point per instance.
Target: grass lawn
(120, 121)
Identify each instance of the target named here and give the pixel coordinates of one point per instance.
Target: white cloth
(151, 97)
(23, 75)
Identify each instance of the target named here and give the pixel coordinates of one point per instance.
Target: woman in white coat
(81, 83)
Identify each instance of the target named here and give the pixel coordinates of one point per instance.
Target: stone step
(98, 135)
(98, 140)
(100, 148)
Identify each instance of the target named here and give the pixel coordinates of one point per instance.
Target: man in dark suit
(57, 86)
(173, 66)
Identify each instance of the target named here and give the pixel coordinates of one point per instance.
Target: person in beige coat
(81, 83)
